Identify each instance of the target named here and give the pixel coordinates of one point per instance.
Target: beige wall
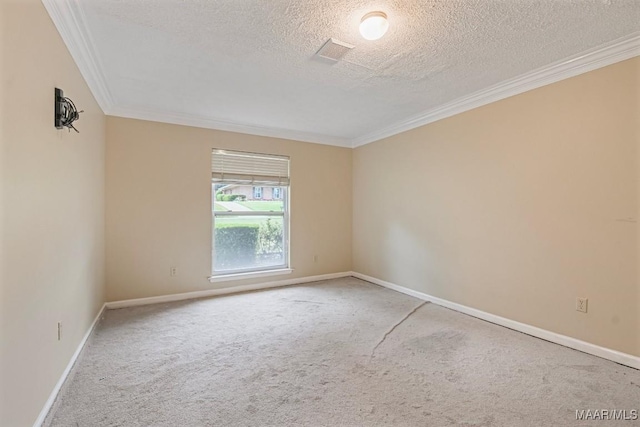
(516, 208)
(159, 206)
(52, 212)
(636, 84)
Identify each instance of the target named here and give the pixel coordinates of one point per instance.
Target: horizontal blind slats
(235, 166)
(254, 179)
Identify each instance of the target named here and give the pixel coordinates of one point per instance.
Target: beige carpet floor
(336, 353)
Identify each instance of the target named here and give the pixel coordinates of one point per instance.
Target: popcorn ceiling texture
(252, 62)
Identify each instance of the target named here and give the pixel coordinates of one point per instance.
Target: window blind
(251, 168)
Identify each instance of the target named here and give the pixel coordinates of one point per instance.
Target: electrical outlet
(59, 331)
(582, 304)
(173, 271)
(315, 258)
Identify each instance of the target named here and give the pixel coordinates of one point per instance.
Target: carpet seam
(395, 326)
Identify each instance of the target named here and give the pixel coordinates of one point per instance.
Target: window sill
(250, 275)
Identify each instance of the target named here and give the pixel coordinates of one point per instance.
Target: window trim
(246, 273)
(260, 192)
(249, 275)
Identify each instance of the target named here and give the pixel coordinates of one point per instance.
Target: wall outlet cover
(582, 304)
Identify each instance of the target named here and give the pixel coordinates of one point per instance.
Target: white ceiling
(250, 66)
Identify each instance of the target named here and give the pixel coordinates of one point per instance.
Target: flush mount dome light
(374, 25)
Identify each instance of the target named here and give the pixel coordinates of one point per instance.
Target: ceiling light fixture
(374, 25)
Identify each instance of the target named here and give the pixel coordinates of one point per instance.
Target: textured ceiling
(252, 62)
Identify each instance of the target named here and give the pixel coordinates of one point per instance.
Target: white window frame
(273, 193)
(259, 271)
(257, 194)
(285, 231)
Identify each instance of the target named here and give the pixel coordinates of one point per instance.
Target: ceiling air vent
(334, 49)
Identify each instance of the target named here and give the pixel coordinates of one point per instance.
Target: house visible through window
(250, 212)
(257, 192)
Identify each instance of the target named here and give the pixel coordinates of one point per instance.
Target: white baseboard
(65, 374)
(605, 353)
(223, 291)
(167, 298)
(576, 344)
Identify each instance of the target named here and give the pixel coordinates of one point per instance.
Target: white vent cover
(334, 49)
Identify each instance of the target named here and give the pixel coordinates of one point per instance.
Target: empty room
(319, 213)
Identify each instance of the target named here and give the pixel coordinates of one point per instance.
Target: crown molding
(208, 123)
(70, 20)
(618, 50)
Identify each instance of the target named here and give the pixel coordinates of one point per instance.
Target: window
(257, 192)
(249, 234)
(277, 194)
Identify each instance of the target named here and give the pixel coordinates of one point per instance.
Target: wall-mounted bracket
(65, 112)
